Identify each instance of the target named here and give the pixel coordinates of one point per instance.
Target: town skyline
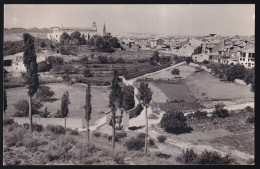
(175, 20)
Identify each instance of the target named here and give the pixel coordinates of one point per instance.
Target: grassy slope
(27, 152)
(76, 96)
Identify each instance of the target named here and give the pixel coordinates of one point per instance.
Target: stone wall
(71, 122)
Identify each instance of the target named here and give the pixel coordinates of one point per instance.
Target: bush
(43, 66)
(235, 72)
(134, 143)
(53, 155)
(45, 113)
(141, 135)
(220, 111)
(250, 119)
(151, 142)
(121, 135)
(189, 60)
(153, 116)
(208, 157)
(174, 122)
(56, 129)
(22, 107)
(205, 62)
(73, 132)
(87, 73)
(96, 133)
(188, 157)
(200, 115)
(8, 122)
(37, 127)
(102, 59)
(44, 93)
(161, 138)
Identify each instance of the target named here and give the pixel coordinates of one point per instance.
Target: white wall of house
(247, 59)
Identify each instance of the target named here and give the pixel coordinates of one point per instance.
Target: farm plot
(100, 96)
(185, 70)
(205, 86)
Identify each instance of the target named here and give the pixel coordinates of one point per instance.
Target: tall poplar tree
(88, 108)
(31, 76)
(145, 95)
(115, 102)
(65, 106)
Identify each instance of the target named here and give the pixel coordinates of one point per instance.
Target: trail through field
(183, 145)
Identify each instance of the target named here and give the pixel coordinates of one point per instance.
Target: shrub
(161, 138)
(105, 135)
(87, 73)
(141, 135)
(152, 116)
(22, 107)
(205, 62)
(53, 155)
(134, 143)
(174, 122)
(250, 119)
(235, 72)
(189, 60)
(13, 136)
(96, 133)
(102, 59)
(200, 115)
(37, 127)
(220, 111)
(151, 142)
(8, 122)
(43, 66)
(44, 93)
(208, 157)
(45, 113)
(121, 135)
(73, 132)
(56, 129)
(188, 157)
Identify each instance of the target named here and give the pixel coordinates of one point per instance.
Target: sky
(168, 19)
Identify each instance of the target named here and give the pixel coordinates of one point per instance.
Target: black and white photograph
(128, 84)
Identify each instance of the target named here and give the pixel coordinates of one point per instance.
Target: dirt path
(183, 145)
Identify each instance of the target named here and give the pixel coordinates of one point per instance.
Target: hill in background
(14, 34)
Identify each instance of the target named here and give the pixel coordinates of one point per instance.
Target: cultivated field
(77, 93)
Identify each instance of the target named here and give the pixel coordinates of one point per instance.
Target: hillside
(14, 34)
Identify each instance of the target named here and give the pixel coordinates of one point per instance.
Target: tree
(65, 38)
(253, 84)
(44, 93)
(145, 95)
(128, 101)
(220, 111)
(175, 72)
(235, 72)
(22, 107)
(87, 73)
(115, 101)
(155, 59)
(31, 77)
(189, 60)
(88, 108)
(5, 102)
(174, 122)
(65, 106)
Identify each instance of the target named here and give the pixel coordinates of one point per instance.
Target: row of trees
(75, 38)
(157, 60)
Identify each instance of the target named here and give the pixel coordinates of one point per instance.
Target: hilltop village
(199, 90)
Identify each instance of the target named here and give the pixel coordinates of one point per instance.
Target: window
(56, 35)
(243, 59)
(50, 35)
(244, 54)
(253, 55)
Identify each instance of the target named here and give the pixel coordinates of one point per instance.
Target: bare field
(205, 86)
(100, 96)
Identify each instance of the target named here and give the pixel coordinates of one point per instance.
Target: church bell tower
(104, 30)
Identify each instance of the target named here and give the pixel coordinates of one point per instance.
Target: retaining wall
(71, 122)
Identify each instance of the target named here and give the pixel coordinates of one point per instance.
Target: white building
(247, 57)
(57, 32)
